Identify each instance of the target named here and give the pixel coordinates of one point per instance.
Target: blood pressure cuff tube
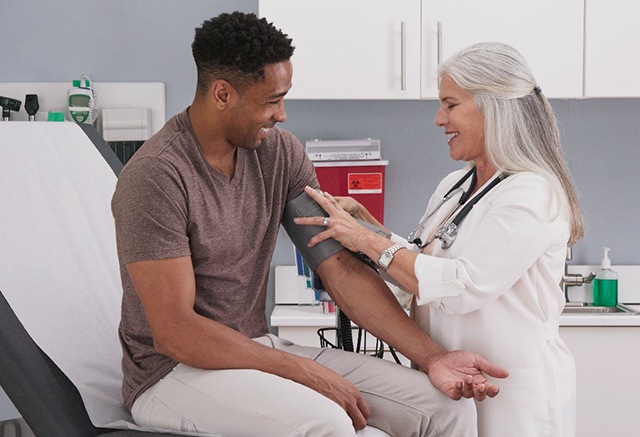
(305, 206)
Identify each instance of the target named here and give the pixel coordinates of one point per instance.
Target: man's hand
(328, 383)
(461, 374)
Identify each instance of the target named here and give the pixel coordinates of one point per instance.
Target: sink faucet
(573, 279)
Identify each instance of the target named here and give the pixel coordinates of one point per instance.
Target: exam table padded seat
(47, 400)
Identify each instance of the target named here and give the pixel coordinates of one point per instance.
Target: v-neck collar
(241, 158)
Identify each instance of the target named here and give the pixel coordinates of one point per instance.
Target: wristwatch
(387, 256)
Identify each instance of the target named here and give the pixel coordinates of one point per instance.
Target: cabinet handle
(403, 56)
(439, 52)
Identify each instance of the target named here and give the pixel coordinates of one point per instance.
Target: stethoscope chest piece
(447, 234)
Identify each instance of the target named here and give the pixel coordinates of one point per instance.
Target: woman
(487, 279)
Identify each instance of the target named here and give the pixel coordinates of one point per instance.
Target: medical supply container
(362, 180)
(605, 284)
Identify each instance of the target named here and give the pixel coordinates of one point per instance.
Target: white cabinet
(381, 49)
(548, 33)
(356, 49)
(612, 59)
(607, 362)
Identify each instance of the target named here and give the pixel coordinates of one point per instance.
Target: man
(197, 212)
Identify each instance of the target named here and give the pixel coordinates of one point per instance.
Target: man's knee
(458, 418)
(319, 416)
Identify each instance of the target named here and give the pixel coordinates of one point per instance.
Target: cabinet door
(548, 33)
(607, 362)
(356, 49)
(612, 47)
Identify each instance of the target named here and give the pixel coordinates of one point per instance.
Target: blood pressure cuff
(305, 206)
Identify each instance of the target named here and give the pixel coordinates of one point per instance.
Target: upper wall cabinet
(383, 49)
(355, 49)
(548, 33)
(612, 55)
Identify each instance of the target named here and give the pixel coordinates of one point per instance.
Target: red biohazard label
(365, 183)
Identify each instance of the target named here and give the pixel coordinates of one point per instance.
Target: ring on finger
(325, 221)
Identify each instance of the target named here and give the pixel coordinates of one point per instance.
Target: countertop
(312, 316)
(615, 319)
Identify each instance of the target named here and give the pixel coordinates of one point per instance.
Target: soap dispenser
(605, 284)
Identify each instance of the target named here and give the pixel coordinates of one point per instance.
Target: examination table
(60, 357)
(60, 284)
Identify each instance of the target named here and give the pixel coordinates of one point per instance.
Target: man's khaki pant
(247, 403)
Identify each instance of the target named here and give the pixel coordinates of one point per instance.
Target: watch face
(385, 259)
(387, 256)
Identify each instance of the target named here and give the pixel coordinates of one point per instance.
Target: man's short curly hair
(236, 47)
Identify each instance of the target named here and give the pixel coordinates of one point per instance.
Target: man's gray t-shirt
(169, 202)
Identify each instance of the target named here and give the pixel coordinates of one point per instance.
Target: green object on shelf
(55, 116)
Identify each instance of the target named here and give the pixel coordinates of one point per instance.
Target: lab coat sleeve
(503, 236)
(395, 238)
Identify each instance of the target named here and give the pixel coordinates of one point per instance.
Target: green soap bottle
(605, 284)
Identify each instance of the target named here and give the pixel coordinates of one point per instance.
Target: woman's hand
(358, 211)
(340, 226)
(349, 204)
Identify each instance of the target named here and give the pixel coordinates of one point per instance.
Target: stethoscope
(447, 233)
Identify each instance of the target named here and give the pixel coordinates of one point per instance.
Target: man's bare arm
(365, 298)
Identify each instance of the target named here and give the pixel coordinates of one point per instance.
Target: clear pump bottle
(605, 284)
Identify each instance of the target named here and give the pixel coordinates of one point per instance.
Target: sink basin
(585, 308)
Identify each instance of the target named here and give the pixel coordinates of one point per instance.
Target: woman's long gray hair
(521, 132)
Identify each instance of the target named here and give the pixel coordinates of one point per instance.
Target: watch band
(386, 257)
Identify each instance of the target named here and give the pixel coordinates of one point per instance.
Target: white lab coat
(496, 292)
